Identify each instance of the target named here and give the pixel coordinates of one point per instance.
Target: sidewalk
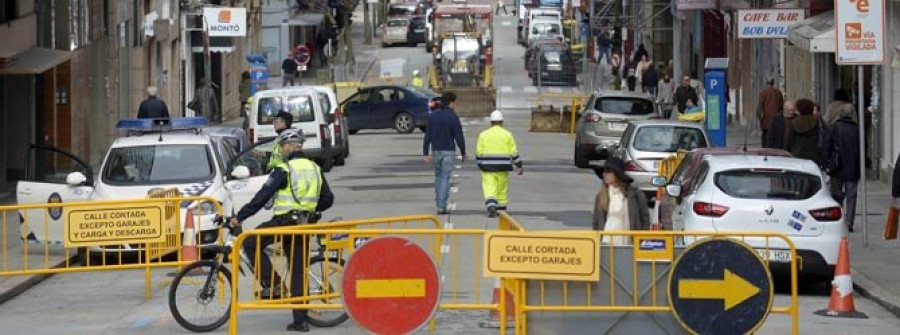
(875, 267)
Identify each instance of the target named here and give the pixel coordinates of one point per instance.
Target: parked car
(765, 193)
(604, 119)
(402, 108)
(544, 27)
(645, 143)
(416, 32)
(395, 31)
(405, 9)
(337, 123)
(686, 173)
(235, 139)
(551, 63)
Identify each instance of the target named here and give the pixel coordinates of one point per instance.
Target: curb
(872, 291)
(32, 281)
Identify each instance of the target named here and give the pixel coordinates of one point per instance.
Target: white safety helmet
(415, 72)
(496, 116)
(292, 135)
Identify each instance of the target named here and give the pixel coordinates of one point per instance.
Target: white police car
(150, 155)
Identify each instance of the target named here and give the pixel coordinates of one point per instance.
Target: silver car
(604, 119)
(645, 143)
(395, 31)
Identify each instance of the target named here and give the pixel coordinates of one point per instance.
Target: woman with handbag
(840, 157)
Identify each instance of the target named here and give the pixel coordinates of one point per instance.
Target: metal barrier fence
(638, 292)
(104, 235)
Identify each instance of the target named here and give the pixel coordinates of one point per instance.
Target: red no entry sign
(390, 286)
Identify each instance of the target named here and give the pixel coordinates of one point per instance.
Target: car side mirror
(658, 181)
(76, 179)
(673, 190)
(240, 172)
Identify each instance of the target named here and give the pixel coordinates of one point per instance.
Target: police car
(149, 155)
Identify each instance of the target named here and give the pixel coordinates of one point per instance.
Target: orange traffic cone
(841, 302)
(493, 320)
(189, 252)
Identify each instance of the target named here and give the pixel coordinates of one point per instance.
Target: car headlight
(205, 208)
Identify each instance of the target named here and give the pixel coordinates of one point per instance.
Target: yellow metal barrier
(456, 269)
(117, 238)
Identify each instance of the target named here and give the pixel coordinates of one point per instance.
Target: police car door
(46, 173)
(242, 190)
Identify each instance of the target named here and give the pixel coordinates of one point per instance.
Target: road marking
(454, 189)
(452, 206)
(505, 23)
(531, 89)
(390, 288)
(505, 89)
(555, 90)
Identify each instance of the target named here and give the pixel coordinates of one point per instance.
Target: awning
(815, 34)
(304, 19)
(36, 61)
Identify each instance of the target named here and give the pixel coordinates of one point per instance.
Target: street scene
(464, 166)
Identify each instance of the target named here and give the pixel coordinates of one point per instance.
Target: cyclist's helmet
(291, 135)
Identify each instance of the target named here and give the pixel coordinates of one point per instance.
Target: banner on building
(695, 4)
(225, 21)
(859, 31)
(767, 23)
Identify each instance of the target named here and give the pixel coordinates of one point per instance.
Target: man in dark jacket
(840, 155)
(443, 134)
(650, 80)
(803, 133)
(770, 100)
(153, 107)
(684, 93)
(778, 128)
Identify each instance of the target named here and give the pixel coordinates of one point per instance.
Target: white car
(765, 193)
(186, 157)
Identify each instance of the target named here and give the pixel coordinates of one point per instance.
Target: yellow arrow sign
(732, 289)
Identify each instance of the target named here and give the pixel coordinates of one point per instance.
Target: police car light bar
(151, 124)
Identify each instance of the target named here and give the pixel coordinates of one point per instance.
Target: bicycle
(207, 283)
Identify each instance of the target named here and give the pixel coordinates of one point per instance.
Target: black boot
(298, 327)
(492, 212)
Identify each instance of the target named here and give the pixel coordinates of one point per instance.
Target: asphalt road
(385, 176)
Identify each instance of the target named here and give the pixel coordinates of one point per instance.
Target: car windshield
(158, 164)
(545, 29)
(397, 23)
(400, 10)
(768, 184)
(300, 107)
(465, 48)
(668, 138)
(624, 106)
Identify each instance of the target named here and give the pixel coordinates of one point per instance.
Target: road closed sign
(114, 224)
(767, 23)
(559, 256)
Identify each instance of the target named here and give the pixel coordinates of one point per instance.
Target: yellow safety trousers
(495, 186)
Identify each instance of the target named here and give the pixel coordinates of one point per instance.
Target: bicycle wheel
(324, 279)
(199, 300)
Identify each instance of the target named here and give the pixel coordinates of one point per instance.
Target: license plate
(301, 67)
(777, 256)
(419, 30)
(616, 125)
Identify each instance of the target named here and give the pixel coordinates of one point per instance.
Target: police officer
(496, 154)
(300, 190)
(417, 80)
(282, 121)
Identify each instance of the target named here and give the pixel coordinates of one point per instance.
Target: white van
(541, 27)
(536, 14)
(310, 116)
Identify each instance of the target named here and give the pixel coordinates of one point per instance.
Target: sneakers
(269, 293)
(492, 212)
(443, 211)
(298, 327)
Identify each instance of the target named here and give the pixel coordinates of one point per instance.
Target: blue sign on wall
(716, 109)
(259, 73)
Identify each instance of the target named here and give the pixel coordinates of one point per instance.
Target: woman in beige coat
(619, 206)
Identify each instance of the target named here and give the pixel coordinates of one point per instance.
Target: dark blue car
(379, 107)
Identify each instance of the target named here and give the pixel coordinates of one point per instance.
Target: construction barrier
(548, 118)
(99, 235)
(560, 281)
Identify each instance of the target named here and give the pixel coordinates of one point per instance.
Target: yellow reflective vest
(417, 82)
(496, 150)
(304, 183)
(275, 160)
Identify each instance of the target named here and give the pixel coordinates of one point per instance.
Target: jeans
(287, 78)
(443, 169)
(843, 190)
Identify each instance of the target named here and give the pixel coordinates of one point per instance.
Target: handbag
(891, 225)
(194, 104)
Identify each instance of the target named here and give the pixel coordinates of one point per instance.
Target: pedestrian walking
(839, 106)
(770, 101)
(840, 156)
(619, 206)
(650, 80)
(803, 133)
(496, 154)
(205, 101)
(631, 75)
(299, 190)
(288, 70)
(778, 128)
(443, 134)
(417, 80)
(605, 47)
(244, 96)
(500, 6)
(153, 107)
(665, 95)
(684, 93)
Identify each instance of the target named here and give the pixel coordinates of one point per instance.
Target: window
(700, 178)
(624, 106)
(301, 107)
(359, 98)
(545, 29)
(421, 92)
(325, 103)
(160, 164)
(8, 11)
(768, 184)
(268, 108)
(79, 23)
(668, 139)
(384, 95)
(398, 23)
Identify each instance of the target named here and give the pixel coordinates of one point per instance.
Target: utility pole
(367, 23)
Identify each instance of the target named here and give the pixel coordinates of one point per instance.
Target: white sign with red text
(859, 31)
(767, 23)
